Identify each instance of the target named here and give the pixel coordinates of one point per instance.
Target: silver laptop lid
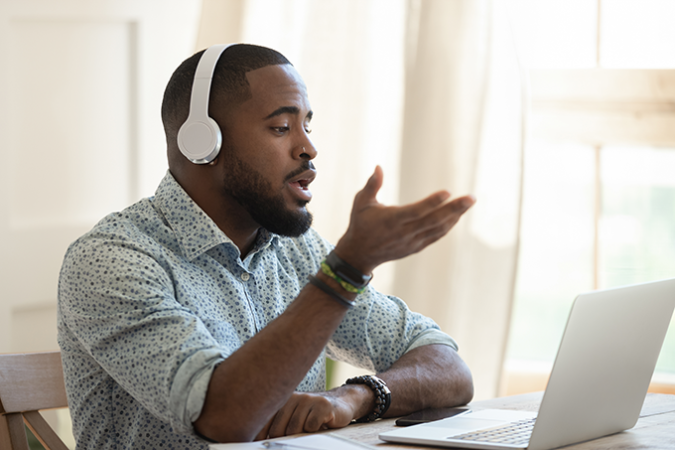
(599, 379)
(604, 364)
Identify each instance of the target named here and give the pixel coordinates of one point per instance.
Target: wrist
(351, 296)
(329, 289)
(381, 393)
(354, 258)
(347, 276)
(359, 397)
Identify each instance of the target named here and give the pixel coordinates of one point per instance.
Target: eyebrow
(288, 110)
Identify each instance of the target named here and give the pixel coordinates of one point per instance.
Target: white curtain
(430, 90)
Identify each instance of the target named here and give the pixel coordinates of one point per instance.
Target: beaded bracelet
(382, 395)
(329, 290)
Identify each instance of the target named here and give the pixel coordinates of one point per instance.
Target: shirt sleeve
(118, 303)
(432, 336)
(380, 329)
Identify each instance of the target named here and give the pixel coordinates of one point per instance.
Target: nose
(305, 151)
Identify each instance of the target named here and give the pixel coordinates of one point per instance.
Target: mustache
(304, 167)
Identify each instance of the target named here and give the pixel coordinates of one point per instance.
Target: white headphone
(199, 138)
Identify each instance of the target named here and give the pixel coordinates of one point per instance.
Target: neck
(244, 237)
(232, 219)
(225, 211)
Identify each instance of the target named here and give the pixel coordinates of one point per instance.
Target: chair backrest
(30, 382)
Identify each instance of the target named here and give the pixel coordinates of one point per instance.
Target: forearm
(253, 383)
(431, 376)
(415, 383)
(249, 387)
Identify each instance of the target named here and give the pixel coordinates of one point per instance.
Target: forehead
(273, 87)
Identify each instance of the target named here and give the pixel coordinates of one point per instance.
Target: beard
(254, 193)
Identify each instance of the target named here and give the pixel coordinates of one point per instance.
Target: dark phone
(429, 415)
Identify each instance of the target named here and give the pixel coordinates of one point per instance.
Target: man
(206, 312)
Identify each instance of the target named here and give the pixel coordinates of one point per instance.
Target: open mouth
(300, 184)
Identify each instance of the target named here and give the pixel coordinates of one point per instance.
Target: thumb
(369, 192)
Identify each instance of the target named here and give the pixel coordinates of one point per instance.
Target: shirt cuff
(188, 392)
(432, 336)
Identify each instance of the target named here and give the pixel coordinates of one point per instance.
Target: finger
(449, 211)
(281, 419)
(430, 229)
(262, 434)
(467, 201)
(320, 415)
(296, 423)
(428, 237)
(369, 192)
(425, 237)
(422, 207)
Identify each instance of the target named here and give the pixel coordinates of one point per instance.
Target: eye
(308, 130)
(280, 130)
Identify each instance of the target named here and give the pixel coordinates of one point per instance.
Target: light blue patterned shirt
(155, 296)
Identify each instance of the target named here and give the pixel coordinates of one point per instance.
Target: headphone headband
(199, 138)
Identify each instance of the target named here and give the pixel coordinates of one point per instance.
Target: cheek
(265, 154)
(261, 150)
(270, 160)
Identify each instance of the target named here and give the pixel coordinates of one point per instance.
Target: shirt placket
(247, 281)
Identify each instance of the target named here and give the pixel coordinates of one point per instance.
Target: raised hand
(379, 233)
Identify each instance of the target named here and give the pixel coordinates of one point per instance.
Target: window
(599, 186)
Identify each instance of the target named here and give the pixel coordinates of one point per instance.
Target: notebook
(597, 386)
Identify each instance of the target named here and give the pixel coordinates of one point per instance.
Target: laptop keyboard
(515, 433)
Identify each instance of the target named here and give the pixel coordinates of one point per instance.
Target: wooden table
(654, 430)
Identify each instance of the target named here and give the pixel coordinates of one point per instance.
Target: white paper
(312, 442)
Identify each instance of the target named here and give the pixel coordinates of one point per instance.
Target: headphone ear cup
(200, 140)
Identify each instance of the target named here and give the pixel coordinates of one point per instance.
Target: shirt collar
(195, 231)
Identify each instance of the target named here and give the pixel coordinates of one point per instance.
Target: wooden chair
(28, 383)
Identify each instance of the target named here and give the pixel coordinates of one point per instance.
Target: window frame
(596, 107)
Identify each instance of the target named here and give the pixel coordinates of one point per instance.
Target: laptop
(597, 386)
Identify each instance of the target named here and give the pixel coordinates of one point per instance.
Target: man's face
(267, 152)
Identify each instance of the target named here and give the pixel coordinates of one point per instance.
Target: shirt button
(245, 276)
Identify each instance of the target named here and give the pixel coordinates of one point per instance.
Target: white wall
(80, 92)
(81, 84)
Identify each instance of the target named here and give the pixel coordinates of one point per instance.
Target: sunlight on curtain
(349, 54)
(430, 91)
(462, 131)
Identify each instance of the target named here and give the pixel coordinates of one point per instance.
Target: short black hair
(229, 82)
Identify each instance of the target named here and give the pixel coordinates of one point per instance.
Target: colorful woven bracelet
(346, 271)
(325, 268)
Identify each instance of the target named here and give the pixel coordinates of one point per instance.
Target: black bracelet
(382, 395)
(329, 290)
(347, 272)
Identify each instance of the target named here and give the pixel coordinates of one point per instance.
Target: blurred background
(558, 115)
